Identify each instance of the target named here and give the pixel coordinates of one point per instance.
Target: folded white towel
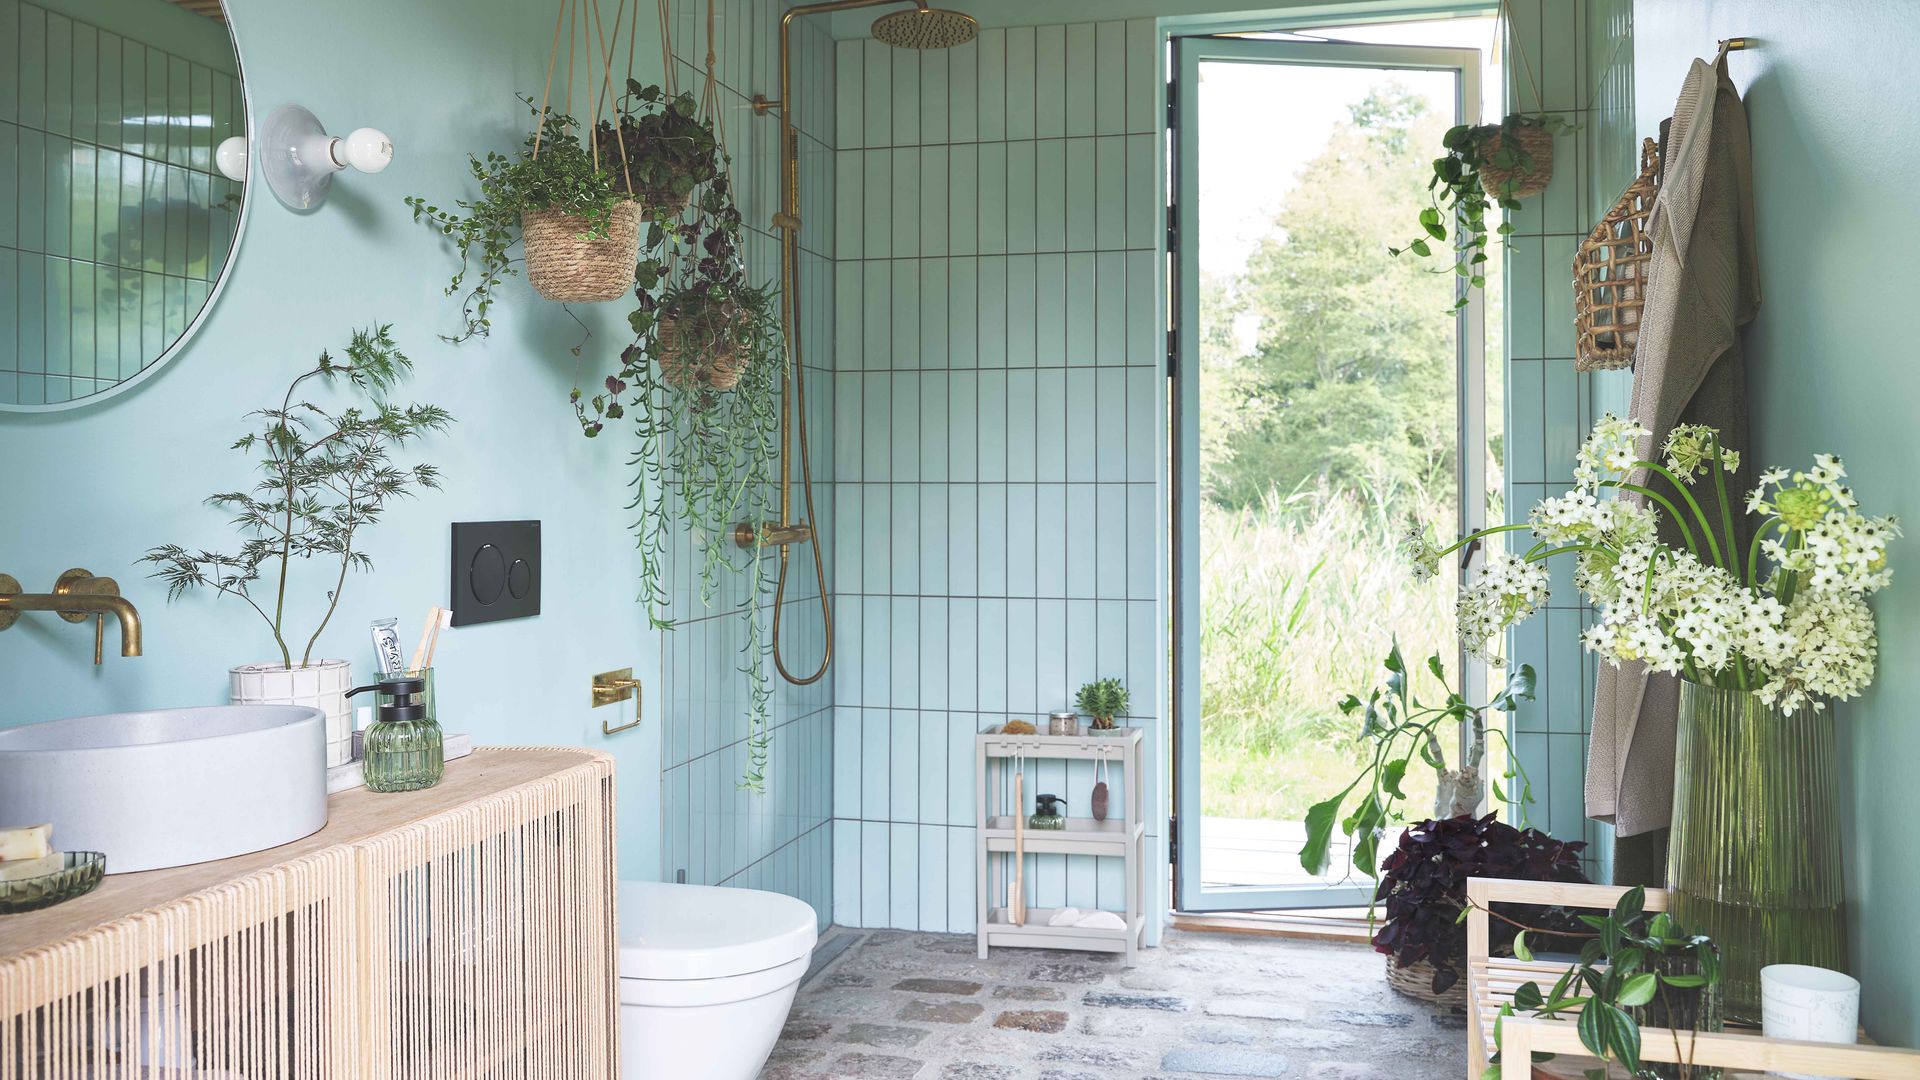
(1068, 916)
(1102, 920)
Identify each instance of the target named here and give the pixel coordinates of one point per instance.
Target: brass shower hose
(790, 319)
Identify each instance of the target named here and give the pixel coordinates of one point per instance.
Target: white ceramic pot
(1810, 1004)
(322, 684)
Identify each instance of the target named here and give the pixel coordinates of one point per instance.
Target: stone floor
(923, 1006)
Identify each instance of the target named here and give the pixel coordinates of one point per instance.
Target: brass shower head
(923, 27)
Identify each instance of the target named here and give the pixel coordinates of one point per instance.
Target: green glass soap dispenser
(1047, 813)
(403, 749)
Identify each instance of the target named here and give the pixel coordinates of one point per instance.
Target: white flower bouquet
(1786, 619)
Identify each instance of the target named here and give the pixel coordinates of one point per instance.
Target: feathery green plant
(324, 477)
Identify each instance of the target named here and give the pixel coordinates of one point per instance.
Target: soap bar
(25, 842)
(21, 869)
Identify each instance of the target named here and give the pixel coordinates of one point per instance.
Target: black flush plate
(496, 570)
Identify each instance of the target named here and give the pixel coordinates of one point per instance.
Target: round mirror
(116, 221)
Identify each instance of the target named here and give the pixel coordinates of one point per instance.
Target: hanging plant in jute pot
(702, 378)
(570, 196)
(1481, 167)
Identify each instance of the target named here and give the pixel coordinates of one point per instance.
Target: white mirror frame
(213, 295)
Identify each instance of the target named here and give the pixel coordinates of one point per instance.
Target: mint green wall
(1836, 145)
(96, 486)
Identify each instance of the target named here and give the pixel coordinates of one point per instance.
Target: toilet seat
(691, 933)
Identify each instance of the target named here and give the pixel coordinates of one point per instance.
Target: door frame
(1189, 52)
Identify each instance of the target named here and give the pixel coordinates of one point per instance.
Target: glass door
(1326, 401)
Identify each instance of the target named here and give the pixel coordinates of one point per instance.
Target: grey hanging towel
(1702, 286)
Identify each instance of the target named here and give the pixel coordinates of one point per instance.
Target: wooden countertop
(353, 816)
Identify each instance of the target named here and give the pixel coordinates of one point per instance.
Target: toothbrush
(427, 628)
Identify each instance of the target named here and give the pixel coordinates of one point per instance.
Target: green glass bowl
(81, 872)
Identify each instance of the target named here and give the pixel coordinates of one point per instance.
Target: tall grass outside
(1305, 594)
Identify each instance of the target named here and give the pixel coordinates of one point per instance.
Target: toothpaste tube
(386, 646)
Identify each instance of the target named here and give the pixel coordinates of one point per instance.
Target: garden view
(1328, 426)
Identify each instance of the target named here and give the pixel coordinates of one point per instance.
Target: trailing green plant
(1102, 700)
(325, 477)
(1423, 886)
(1460, 193)
(701, 381)
(1401, 729)
(1635, 970)
(562, 175)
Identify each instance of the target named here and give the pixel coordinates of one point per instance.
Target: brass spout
(76, 596)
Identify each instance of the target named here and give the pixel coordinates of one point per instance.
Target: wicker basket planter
(699, 350)
(565, 265)
(1527, 178)
(1416, 981)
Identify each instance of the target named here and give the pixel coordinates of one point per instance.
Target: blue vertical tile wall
(1001, 427)
(1582, 54)
(712, 831)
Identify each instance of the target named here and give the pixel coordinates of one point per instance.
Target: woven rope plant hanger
(569, 258)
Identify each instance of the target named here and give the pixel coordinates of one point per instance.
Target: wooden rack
(1122, 835)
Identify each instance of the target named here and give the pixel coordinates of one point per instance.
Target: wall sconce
(298, 157)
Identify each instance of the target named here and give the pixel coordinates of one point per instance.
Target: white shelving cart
(1122, 835)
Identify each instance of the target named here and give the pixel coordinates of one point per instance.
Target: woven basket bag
(695, 352)
(1610, 274)
(566, 266)
(1535, 144)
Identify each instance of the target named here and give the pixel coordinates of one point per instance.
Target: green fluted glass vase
(1754, 859)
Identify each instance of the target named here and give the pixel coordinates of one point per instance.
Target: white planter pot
(322, 684)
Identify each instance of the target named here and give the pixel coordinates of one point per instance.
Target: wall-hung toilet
(706, 978)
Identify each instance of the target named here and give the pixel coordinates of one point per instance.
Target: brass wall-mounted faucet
(76, 596)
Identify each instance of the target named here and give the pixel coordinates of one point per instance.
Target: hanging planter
(666, 152)
(568, 196)
(702, 379)
(1483, 166)
(703, 340)
(570, 261)
(1515, 156)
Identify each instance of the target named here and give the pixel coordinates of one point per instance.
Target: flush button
(495, 570)
(488, 576)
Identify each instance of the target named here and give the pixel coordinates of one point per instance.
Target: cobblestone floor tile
(884, 1035)
(1043, 1021)
(938, 986)
(942, 1012)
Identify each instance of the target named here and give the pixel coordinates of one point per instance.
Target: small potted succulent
(1100, 701)
(1423, 887)
(325, 477)
(579, 227)
(1484, 165)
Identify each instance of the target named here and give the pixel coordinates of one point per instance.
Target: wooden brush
(427, 629)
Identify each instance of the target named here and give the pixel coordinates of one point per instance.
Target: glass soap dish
(80, 872)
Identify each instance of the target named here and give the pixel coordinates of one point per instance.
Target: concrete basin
(169, 787)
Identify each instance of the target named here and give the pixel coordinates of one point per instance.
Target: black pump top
(1045, 804)
(399, 689)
